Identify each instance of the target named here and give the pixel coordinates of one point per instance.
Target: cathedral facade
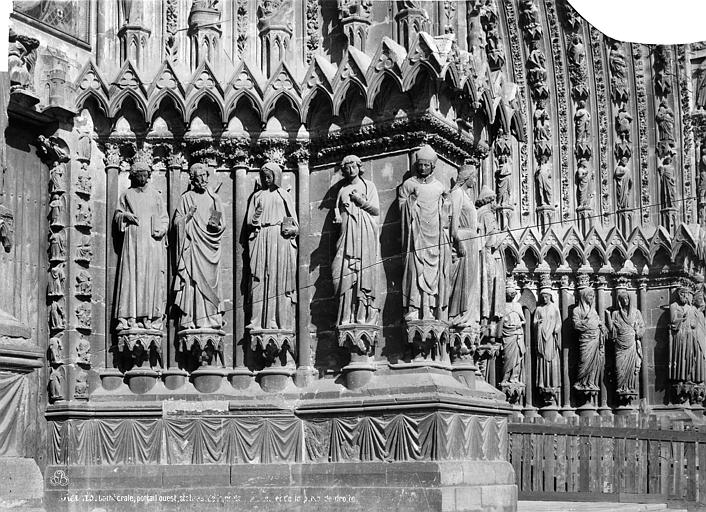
(282, 247)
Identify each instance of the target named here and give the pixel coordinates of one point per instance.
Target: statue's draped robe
(591, 353)
(547, 322)
(583, 186)
(492, 265)
(464, 303)
(625, 328)
(141, 277)
(356, 268)
(198, 259)
(544, 185)
(273, 261)
(426, 245)
(513, 342)
(623, 184)
(688, 351)
(668, 185)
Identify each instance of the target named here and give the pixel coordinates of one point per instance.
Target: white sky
(641, 21)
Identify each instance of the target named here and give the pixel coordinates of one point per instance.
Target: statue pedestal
(550, 412)
(277, 348)
(462, 348)
(201, 347)
(111, 378)
(174, 378)
(625, 410)
(141, 380)
(360, 340)
(208, 379)
(465, 371)
(587, 410)
(240, 378)
(430, 339)
(141, 346)
(274, 379)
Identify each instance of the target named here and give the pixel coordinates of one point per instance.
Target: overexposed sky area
(640, 21)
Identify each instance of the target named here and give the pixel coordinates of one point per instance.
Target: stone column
(305, 368)
(565, 290)
(530, 410)
(601, 296)
(241, 376)
(644, 386)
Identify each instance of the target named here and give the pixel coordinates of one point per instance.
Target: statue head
(510, 290)
(466, 176)
(623, 300)
(586, 296)
(351, 166)
(270, 175)
(140, 174)
(684, 295)
(198, 173)
(546, 297)
(425, 160)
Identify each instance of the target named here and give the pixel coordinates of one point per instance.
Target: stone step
(583, 506)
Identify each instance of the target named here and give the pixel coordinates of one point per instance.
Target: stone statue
(57, 319)
(425, 240)
(83, 284)
(668, 184)
(55, 288)
(626, 328)
(84, 316)
(199, 224)
(665, 122)
(84, 185)
(547, 328)
(616, 61)
(584, 182)
(701, 185)
(589, 329)
(57, 246)
(273, 224)
(56, 383)
(688, 340)
(464, 302)
(84, 252)
(56, 210)
(623, 184)
(140, 285)
(20, 61)
(582, 122)
(536, 68)
(81, 386)
(84, 215)
(543, 177)
(83, 351)
(56, 178)
(513, 336)
(622, 125)
(56, 349)
(503, 175)
(356, 267)
(492, 262)
(577, 51)
(542, 124)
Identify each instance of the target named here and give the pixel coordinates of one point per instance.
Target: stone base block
(20, 484)
(450, 486)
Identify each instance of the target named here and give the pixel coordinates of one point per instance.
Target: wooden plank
(665, 459)
(701, 452)
(678, 464)
(573, 462)
(549, 462)
(619, 465)
(690, 458)
(653, 468)
(516, 441)
(526, 485)
(607, 448)
(584, 463)
(537, 462)
(561, 463)
(595, 465)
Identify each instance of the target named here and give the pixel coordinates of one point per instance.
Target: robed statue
(589, 328)
(492, 262)
(547, 327)
(626, 328)
(273, 225)
(688, 339)
(356, 269)
(142, 219)
(199, 223)
(513, 336)
(464, 302)
(425, 222)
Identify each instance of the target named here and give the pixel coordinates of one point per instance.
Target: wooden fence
(614, 459)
